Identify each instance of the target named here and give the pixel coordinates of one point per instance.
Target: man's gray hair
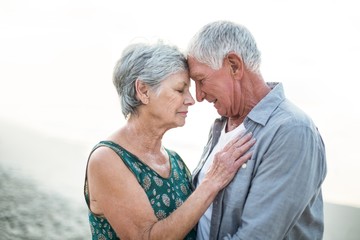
(151, 64)
(217, 39)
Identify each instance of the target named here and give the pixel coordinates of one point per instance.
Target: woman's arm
(115, 193)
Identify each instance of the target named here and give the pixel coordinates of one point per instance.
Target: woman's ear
(235, 63)
(142, 91)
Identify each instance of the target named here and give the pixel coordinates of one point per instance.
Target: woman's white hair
(151, 64)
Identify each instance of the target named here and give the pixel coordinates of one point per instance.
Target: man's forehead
(196, 76)
(195, 67)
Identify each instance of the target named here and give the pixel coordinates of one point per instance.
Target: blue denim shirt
(278, 195)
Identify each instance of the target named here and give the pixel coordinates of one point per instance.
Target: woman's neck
(141, 135)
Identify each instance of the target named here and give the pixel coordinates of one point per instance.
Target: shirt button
(244, 165)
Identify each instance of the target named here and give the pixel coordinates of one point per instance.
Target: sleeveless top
(164, 194)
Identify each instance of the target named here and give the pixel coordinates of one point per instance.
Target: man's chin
(221, 113)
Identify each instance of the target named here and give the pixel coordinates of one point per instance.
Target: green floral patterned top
(165, 194)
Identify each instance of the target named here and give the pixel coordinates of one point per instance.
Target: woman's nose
(189, 100)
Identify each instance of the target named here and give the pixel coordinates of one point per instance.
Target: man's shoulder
(290, 113)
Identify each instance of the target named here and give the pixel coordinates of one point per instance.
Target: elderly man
(277, 194)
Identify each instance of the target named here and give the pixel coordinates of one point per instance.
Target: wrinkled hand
(228, 161)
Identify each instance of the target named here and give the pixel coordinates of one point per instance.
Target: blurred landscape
(41, 189)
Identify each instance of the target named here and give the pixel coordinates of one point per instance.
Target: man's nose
(200, 95)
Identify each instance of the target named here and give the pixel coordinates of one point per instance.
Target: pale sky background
(57, 57)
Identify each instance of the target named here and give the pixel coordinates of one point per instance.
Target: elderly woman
(136, 188)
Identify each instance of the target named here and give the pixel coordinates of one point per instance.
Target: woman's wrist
(210, 186)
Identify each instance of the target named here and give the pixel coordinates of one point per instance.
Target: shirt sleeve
(287, 179)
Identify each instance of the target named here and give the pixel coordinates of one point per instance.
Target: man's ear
(236, 64)
(142, 91)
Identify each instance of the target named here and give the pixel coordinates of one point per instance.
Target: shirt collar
(263, 110)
